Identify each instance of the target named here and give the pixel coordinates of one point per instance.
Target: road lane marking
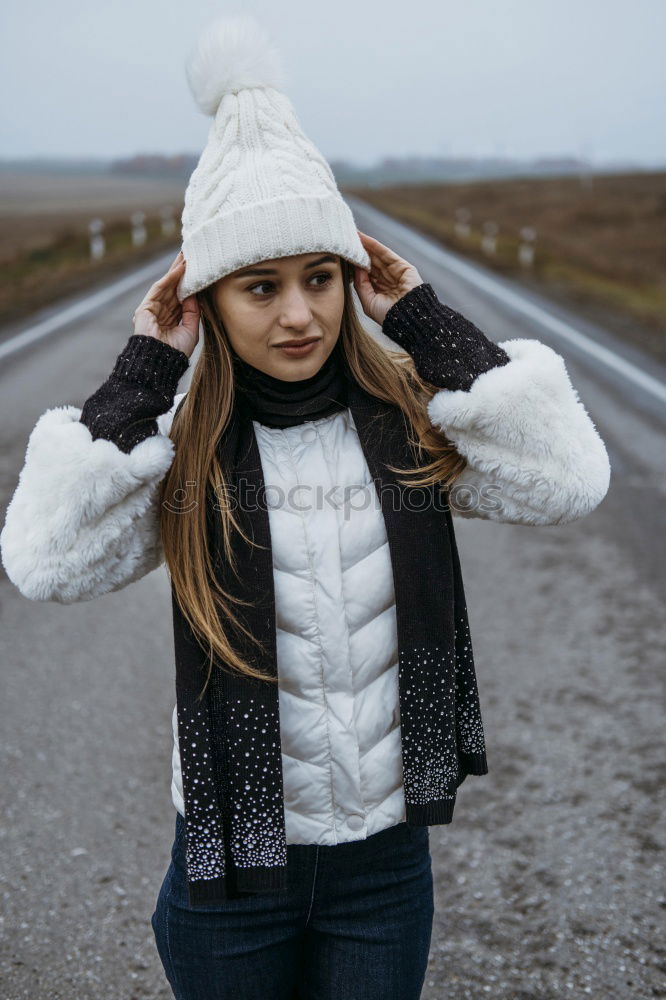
(85, 306)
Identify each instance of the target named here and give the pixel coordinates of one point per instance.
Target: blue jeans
(354, 922)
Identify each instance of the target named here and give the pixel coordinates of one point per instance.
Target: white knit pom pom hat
(261, 189)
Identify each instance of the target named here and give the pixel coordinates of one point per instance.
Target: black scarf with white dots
(229, 738)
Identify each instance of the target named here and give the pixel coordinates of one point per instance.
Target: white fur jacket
(83, 522)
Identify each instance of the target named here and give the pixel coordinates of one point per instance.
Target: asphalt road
(549, 882)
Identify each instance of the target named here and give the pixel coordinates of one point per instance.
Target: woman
(300, 494)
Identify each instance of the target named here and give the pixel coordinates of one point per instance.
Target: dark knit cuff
(448, 350)
(152, 362)
(141, 388)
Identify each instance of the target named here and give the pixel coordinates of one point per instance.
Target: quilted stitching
(336, 634)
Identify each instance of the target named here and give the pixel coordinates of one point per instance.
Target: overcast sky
(432, 77)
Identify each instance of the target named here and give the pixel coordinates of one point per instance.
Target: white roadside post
(97, 241)
(168, 221)
(138, 228)
(526, 247)
(489, 239)
(463, 216)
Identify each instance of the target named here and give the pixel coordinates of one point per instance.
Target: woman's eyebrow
(328, 259)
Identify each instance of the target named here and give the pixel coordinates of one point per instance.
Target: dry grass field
(600, 243)
(44, 240)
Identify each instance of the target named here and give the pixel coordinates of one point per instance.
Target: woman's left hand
(390, 277)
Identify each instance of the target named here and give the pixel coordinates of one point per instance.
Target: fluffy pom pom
(232, 53)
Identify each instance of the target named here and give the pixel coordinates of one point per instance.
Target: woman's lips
(301, 349)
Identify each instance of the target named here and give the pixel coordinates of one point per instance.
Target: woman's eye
(326, 275)
(260, 285)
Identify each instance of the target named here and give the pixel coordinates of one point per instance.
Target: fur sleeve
(534, 455)
(83, 519)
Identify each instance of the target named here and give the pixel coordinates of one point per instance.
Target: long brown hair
(385, 373)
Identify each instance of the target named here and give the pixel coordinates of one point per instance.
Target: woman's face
(287, 299)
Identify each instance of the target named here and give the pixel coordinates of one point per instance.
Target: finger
(362, 278)
(368, 286)
(361, 274)
(172, 269)
(175, 268)
(381, 255)
(160, 298)
(164, 289)
(377, 246)
(372, 240)
(379, 274)
(190, 318)
(175, 271)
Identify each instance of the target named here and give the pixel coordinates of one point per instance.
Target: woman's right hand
(162, 316)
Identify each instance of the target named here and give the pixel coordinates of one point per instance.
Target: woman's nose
(295, 312)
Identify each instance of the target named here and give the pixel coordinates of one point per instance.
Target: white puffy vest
(336, 636)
